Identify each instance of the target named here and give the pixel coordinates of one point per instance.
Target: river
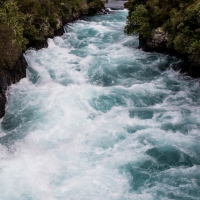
(97, 118)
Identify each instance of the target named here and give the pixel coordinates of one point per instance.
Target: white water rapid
(98, 119)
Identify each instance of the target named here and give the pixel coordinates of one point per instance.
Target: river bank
(158, 44)
(168, 27)
(22, 28)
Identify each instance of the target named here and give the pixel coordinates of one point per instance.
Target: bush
(11, 16)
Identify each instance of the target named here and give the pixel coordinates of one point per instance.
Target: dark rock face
(191, 68)
(157, 43)
(38, 44)
(9, 76)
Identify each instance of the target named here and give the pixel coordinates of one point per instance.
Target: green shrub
(11, 16)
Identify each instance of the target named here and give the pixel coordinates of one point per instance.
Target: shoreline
(185, 66)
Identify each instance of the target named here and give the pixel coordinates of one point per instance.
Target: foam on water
(97, 118)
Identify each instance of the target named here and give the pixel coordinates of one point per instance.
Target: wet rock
(157, 43)
(104, 11)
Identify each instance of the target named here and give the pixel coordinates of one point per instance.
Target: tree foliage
(12, 17)
(27, 21)
(180, 18)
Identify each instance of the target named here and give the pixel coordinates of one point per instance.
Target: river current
(97, 118)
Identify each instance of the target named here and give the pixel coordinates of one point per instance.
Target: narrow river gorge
(97, 118)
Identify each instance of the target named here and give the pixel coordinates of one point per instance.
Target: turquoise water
(96, 118)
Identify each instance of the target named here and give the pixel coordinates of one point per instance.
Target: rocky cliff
(158, 41)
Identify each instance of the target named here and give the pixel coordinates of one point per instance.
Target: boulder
(157, 43)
